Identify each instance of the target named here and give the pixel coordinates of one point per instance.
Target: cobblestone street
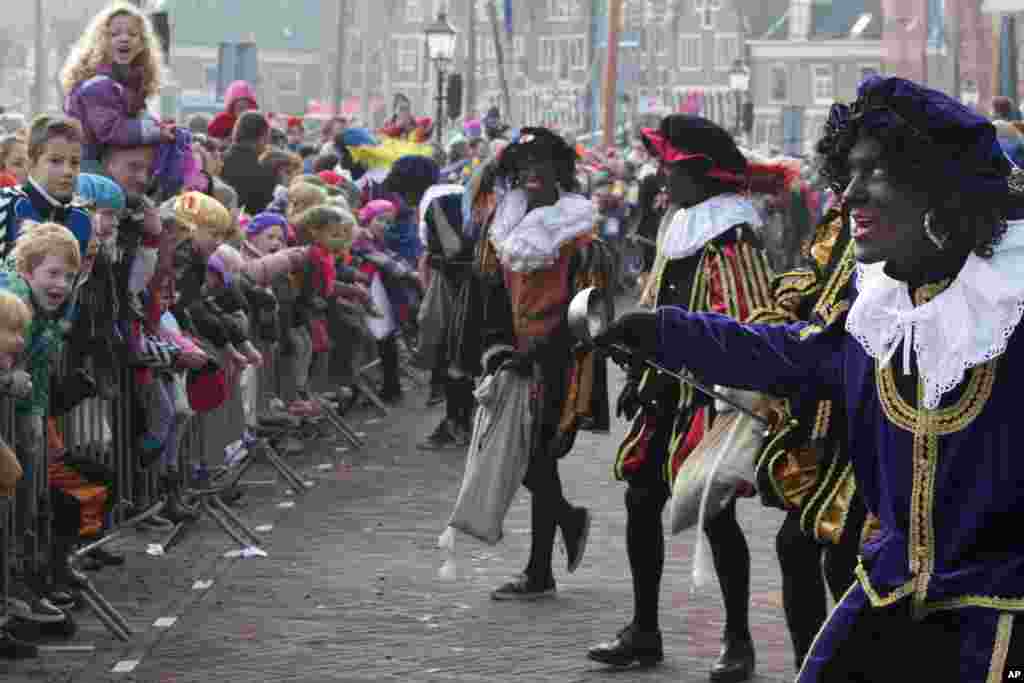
(350, 588)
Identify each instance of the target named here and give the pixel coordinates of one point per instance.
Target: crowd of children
(125, 253)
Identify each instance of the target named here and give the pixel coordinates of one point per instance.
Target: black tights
(645, 545)
(459, 402)
(803, 585)
(548, 508)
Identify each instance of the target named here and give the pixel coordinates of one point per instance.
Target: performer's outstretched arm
(775, 359)
(784, 360)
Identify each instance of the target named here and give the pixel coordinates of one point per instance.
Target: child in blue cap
(97, 293)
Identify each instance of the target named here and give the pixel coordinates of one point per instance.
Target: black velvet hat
(684, 137)
(537, 144)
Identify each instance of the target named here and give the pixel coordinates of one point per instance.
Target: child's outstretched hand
(232, 354)
(355, 293)
(251, 355)
(167, 132)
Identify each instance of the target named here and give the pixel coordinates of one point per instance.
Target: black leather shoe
(524, 589)
(575, 533)
(631, 645)
(736, 663)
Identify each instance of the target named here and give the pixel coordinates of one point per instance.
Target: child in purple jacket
(115, 66)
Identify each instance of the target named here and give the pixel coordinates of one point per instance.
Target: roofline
(817, 49)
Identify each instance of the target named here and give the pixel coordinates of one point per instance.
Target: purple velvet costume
(971, 546)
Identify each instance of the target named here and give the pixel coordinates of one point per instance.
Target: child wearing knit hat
(105, 201)
(97, 293)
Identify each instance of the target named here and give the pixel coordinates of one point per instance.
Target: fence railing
(99, 441)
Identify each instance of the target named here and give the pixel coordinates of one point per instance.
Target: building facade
(920, 43)
(809, 56)
(288, 36)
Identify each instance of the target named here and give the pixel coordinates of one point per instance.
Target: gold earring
(940, 241)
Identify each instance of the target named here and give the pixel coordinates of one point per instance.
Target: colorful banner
(1008, 59)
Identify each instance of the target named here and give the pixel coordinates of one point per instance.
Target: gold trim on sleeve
(876, 599)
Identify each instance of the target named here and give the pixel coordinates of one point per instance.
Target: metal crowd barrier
(105, 432)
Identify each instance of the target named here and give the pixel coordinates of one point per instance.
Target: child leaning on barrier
(266, 265)
(96, 298)
(328, 232)
(160, 440)
(46, 260)
(15, 318)
(204, 224)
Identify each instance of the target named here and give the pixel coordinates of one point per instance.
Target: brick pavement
(350, 590)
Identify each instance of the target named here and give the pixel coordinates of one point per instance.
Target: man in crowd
(253, 182)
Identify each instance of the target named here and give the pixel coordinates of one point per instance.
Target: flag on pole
(936, 25)
(508, 17)
(1007, 59)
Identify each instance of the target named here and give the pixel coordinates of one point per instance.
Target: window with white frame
(519, 55)
(564, 59)
(779, 83)
(690, 49)
(564, 10)
(824, 83)
(658, 37)
(407, 56)
(414, 11)
(563, 54)
(634, 11)
(548, 54)
(727, 51)
(657, 10)
(768, 131)
(577, 53)
(707, 11)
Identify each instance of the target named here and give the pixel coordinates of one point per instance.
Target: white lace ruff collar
(967, 324)
(526, 242)
(692, 228)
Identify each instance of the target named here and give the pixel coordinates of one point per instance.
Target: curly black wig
(539, 144)
(971, 222)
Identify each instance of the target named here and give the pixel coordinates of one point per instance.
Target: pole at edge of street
(339, 60)
(439, 122)
(611, 78)
(38, 83)
(363, 8)
(499, 53)
(469, 102)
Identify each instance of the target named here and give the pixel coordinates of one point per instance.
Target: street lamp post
(739, 83)
(441, 50)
